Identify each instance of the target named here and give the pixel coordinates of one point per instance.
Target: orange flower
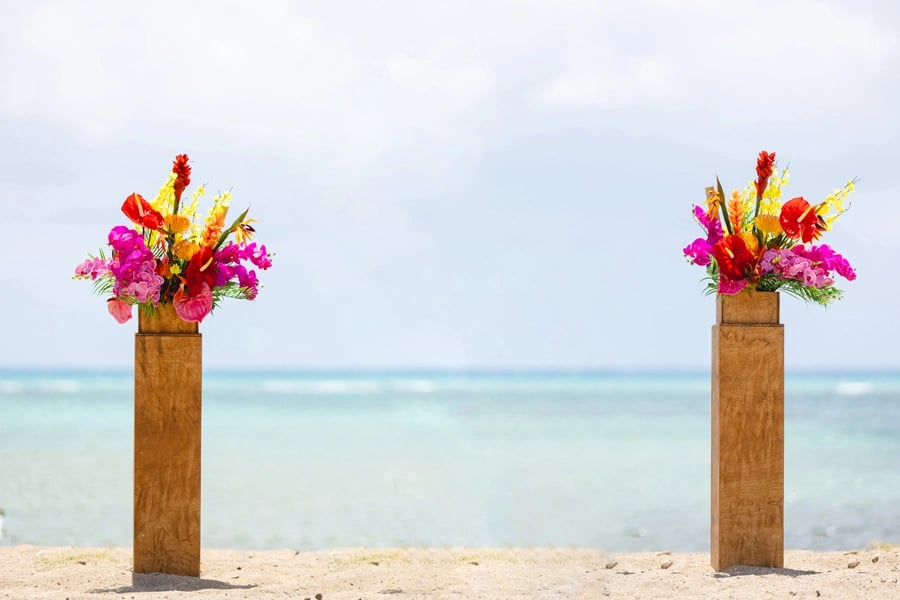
(177, 223)
(185, 249)
(736, 210)
(163, 269)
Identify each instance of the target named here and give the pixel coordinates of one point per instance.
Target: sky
(502, 184)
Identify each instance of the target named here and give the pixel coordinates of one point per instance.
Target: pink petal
(730, 287)
(193, 308)
(120, 311)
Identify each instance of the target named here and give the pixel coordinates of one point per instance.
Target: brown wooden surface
(748, 308)
(164, 320)
(167, 416)
(747, 526)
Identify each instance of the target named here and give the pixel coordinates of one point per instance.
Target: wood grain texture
(167, 433)
(749, 308)
(747, 525)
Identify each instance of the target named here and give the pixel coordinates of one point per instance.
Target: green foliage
(773, 283)
(229, 290)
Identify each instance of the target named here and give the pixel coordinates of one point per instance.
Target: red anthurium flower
(765, 164)
(193, 308)
(182, 169)
(120, 311)
(138, 210)
(734, 258)
(201, 270)
(799, 219)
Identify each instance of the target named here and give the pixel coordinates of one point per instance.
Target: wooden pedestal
(747, 432)
(167, 409)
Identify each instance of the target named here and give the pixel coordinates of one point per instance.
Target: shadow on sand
(159, 582)
(740, 570)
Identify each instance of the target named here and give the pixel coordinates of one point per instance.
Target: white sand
(30, 572)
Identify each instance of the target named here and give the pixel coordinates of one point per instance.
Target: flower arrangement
(167, 256)
(758, 243)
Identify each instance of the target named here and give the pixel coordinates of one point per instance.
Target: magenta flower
(713, 227)
(833, 261)
(229, 258)
(257, 255)
(813, 266)
(698, 251)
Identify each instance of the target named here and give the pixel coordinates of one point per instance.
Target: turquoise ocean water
(317, 460)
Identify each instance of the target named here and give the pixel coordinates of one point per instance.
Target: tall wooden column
(167, 410)
(747, 432)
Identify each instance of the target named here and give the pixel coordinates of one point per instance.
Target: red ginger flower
(734, 257)
(765, 164)
(182, 169)
(139, 211)
(799, 219)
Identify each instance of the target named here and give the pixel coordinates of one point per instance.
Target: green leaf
(724, 206)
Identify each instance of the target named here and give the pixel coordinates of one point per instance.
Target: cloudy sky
(494, 184)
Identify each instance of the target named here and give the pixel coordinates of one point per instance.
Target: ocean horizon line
(445, 371)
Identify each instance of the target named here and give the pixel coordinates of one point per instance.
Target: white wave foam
(58, 386)
(11, 387)
(853, 388)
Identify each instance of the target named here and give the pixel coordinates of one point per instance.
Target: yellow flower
(835, 202)
(185, 249)
(751, 241)
(177, 223)
(768, 223)
(776, 185)
(190, 211)
(165, 200)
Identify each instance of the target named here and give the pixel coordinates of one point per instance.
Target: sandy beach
(32, 572)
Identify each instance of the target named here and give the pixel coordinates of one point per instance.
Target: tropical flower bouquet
(755, 242)
(167, 256)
